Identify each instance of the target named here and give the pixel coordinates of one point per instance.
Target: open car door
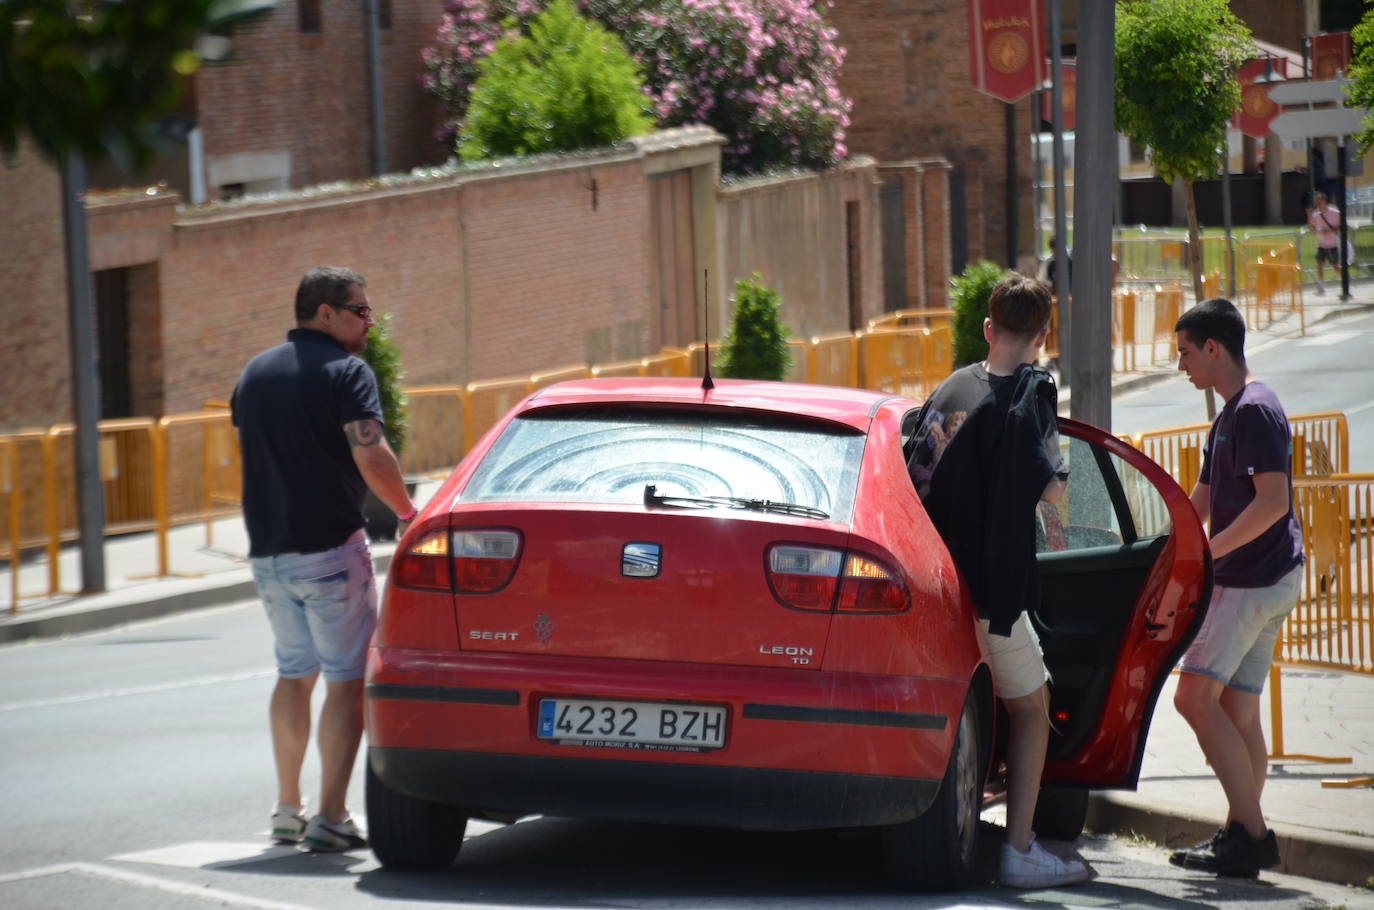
(1126, 574)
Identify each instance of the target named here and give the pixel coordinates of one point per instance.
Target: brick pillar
(935, 230)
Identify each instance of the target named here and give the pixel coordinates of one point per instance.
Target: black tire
(409, 833)
(938, 850)
(1060, 813)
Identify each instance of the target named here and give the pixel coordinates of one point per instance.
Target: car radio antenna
(707, 384)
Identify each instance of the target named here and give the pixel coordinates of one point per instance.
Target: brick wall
(793, 231)
(307, 94)
(33, 293)
(907, 73)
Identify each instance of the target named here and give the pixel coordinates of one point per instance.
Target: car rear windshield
(609, 456)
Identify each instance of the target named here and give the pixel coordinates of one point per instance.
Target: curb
(1340, 859)
(78, 617)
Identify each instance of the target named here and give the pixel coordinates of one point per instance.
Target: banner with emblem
(1006, 47)
(1069, 92)
(1330, 52)
(1257, 109)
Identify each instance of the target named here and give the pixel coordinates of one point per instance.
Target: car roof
(852, 407)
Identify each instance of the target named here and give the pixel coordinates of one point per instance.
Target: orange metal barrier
(435, 440)
(834, 359)
(1269, 286)
(911, 319)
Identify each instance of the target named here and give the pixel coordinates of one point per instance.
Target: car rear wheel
(409, 833)
(937, 851)
(1060, 813)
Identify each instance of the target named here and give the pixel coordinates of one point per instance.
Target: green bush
(385, 359)
(569, 84)
(968, 296)
(756, 347)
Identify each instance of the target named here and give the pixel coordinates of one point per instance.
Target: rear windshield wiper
(653, 498)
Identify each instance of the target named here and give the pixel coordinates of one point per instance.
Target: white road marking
(152, 883)
(136, 690)
(1355, 410)
(211, 854)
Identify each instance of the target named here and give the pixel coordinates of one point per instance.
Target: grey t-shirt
(944, 412)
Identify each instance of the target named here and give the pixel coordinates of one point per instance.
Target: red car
(636, 599)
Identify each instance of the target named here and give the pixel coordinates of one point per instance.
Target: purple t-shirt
(1250, 436)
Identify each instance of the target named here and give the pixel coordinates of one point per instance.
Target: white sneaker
(324, 836)
(1038, 868)
(288, 824)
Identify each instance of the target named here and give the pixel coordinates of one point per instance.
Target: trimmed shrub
(568, 84)
(385, 359)
(969, 293)
(756, 347)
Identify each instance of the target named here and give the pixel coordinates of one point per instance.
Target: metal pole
(1061, 227)
(1345, 264)
(1038, 183)
(90, 494)
(374, 80)
(1012, 197)
(1090, 358)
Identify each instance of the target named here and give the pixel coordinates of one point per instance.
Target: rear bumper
(749, 798)
(804, 748)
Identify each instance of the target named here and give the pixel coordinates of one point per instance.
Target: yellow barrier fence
(1272, 286)
(185, 468)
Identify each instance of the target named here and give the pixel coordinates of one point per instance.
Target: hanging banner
(1006, 47)
(1330, 51)
(1069, 91)
(1257, 109)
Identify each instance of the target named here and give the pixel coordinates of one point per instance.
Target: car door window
(1106, 503)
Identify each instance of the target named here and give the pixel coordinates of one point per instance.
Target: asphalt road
(1332, 369)
(137, 774)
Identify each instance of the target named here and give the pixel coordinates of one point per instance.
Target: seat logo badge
(640, 560)
(543, 628)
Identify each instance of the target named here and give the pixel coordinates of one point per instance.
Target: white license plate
(632, 724)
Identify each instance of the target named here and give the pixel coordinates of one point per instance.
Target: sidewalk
(1324, 833)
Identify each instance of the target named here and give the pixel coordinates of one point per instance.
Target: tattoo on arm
(365, 432)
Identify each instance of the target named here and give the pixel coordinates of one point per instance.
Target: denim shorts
(1018, 664)
(322, 607)
(1235, 645)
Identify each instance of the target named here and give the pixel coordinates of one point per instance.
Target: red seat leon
(641, 600)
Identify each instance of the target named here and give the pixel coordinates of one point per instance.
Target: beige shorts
(1018, 664)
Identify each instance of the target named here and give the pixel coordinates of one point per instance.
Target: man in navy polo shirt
(1246, 490)
(310, 433)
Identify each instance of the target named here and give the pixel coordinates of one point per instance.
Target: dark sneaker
(325, 836)
(1235, 853)
(1178, 857)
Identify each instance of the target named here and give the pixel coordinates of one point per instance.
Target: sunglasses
(363, 311)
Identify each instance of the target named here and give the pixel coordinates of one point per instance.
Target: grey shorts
(322, 607)
(1235, 645)
(1018, 664)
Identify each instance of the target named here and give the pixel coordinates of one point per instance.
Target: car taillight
(484, 561)
(804, 578)
(424, 564)
(868, 586)
(810, 578)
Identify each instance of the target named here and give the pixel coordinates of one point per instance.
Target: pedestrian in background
(1246, 490)
(1325, 221)
(310, 432)
(984, 455)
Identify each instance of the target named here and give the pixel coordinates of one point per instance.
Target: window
(609, 455)
(310, 17)
(1106, 503)
(384, 13)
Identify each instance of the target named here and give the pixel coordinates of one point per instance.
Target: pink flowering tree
(763, 73)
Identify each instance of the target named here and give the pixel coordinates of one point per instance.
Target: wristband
(414, 510)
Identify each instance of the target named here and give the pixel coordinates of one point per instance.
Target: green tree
(1176, 89)
(88, 79)
(569, 84)
(384, 357)
(756, 347)
(968, 296)
(1360, 92)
